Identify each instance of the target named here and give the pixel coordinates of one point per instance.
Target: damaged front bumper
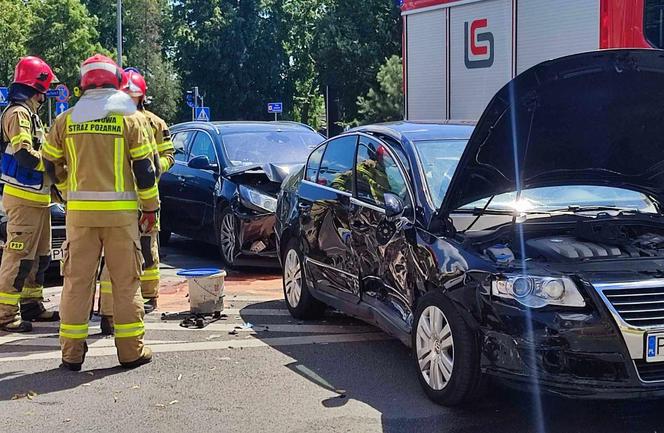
(256, 233)
(584, 354)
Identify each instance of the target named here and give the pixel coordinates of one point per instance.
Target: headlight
(256, 199)
(537, 292)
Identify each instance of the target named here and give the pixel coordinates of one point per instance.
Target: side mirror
(200, 162)
(394, 206)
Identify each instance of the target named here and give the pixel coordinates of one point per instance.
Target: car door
(197, 196)
(171, 183)
(324, 202)
(378, 242)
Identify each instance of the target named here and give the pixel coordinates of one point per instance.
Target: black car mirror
(394, 206)
(201, 162)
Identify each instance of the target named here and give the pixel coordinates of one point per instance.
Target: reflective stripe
(150, 275)
(36, 292)
(105, 287)
(20, 138)
(102, 205)
(166, 145)
(75, 332)
(149, 193)
(40, 166)
(118, 164)
(73, 164)
(141, 152)
(129, 329)
(164, 164)
(99, 66)
(53, 151)
(9, 298)
(102, 196)
(27, 195)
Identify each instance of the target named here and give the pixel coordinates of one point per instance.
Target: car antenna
(479, 215)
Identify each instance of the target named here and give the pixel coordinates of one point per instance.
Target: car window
(203, 146)
(377, 173)
(653, 23)
(336, 168)
(439, 159)
(180, 140)
(314, 164)
(273, 147)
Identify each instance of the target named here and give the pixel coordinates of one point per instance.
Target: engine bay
(573, 239)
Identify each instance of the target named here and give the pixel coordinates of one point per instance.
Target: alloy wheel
(293, 278)
(228, 237)
(435, 348)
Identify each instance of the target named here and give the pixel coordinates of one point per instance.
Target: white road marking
(215, 345)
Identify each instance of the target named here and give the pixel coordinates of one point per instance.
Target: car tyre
(299, 300)
(227, 237)
(446, 352)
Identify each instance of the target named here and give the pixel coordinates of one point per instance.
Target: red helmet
(133, 83)
(380, 154)
(34, 72)
(99, 72)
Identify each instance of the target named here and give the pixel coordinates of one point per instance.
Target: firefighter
(371, 176)
(135, 86)
(26, 199)
(111, 177)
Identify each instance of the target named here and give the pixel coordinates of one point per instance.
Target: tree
(384, 103)
(16, 17)
(64, 34)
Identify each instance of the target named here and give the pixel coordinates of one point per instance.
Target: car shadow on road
(382, 375)
(17, 384)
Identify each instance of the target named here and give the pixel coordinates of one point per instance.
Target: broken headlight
(255, 199)
(537, 292)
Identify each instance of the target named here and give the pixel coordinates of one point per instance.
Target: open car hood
(274, 172)
(588, 119)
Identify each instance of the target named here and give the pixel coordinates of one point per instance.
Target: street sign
(63, 93)
(52, 93)
(275, 107)
(61, 107)
(203, 114)
(189, 99)
(4, 96)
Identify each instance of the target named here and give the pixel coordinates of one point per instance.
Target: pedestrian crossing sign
(4, 96)
(203, 114)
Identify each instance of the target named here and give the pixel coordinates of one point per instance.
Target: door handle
(181, 178)
(304, 207)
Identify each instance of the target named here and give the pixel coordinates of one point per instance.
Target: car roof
(420, 131)
(246, 126)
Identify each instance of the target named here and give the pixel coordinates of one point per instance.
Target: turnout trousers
(81, 261)
(25, 259)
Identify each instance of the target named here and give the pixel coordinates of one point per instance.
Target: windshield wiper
(577, 208)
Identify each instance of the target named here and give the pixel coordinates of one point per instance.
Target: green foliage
(64, 34)
(14, 27)
(384, 103)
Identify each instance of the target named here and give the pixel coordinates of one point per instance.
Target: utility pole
(195, 101)
(119, 24)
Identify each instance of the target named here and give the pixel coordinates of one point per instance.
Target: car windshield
(568, 197)
(439, 160)
(276, 147)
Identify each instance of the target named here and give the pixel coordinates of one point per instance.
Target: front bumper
(256, 233)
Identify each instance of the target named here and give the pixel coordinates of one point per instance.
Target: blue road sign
(202, 114)
(63, 93)
(52, 93)
(4, 96)
(61, 107)
(275, 107)
(189, 99)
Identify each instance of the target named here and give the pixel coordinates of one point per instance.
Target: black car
(529, 248)
(223, 186)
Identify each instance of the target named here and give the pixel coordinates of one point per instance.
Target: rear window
(654, 22)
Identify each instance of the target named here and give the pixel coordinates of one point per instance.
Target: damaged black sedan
(222, 189)
(529, 248)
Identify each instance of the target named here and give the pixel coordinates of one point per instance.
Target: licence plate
(655, 348)
(57, 254)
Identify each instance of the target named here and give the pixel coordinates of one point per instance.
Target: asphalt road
(275, 375)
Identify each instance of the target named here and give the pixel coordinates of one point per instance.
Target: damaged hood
(274, 172)
(588, 119)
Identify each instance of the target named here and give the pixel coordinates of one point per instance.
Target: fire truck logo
(478, 46)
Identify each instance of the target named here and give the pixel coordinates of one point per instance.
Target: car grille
(641, 307)
(650, 372)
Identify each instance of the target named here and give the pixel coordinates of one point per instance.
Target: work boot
(35, 312)
(146, 358)
(106, 325)
(75, 366)
(149, 305)
(18, 326)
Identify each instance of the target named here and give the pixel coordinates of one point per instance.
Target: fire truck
(459, 53)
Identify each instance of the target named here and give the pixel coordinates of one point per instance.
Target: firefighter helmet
(133, 83)
(34, 72)
(100, 72)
